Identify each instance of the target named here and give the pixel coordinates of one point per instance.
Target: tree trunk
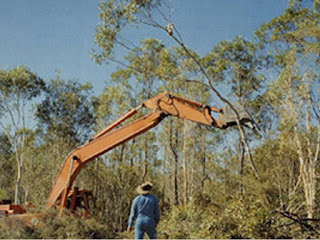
(164, 183)
(18, 181)
(308, 160)
(175, 157)
(17, 188)
(132, 152)
(145, 171)
(185, 160)
(203, 161)
(241, 160)
(176, 192)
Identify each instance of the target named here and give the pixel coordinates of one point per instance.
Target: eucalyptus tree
(143, 64)
(66, 111)
(115, 16)
(34, 181)
(186, 142)
(292, 43)
(66, 119)
(235, 65)
(18, 87)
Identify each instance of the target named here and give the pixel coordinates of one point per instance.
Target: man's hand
(129, 229)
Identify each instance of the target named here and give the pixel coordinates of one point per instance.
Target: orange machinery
(162, 105)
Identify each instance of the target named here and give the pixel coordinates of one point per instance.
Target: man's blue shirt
(145, 206)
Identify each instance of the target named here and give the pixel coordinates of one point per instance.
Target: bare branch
(9, 110)
(162, 14)
(296, 218)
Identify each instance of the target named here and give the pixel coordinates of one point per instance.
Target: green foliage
(53, 226)
(292, 40)
(143, 64)
(66, 110)
(243, 218)
(69, 226)
(18, 87)
(15, 229)
(6, 164)
(20, 82)
(114, 16)
(38, 159)
(201, 218)
(298, 26)
(234, 63)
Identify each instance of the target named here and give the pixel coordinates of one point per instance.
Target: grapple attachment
(228, 117)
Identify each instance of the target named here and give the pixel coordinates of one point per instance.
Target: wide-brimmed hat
(144, 188)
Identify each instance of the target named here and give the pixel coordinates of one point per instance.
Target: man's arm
(157, 211)
(133, 213)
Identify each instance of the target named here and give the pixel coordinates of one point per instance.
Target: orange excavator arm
(163, 105)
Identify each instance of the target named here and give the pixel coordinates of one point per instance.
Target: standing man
(145, 209)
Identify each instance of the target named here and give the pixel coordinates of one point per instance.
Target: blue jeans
(145, 225)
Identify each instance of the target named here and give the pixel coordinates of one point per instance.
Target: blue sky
(51, 35)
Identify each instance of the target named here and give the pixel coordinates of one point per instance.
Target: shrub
(51, 225)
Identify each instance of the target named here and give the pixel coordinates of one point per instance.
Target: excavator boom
(162, 105)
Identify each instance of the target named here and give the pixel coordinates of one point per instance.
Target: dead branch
(303, 222)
